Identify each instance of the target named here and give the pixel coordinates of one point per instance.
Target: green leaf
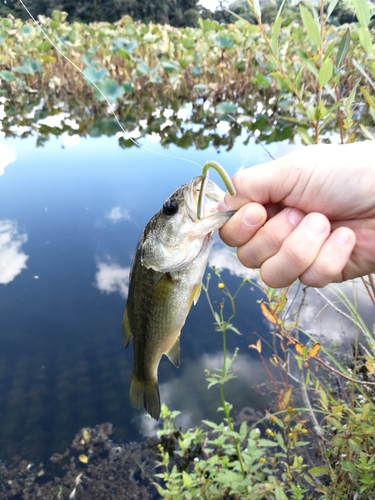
(94, 73)
(120, 44)
(325, 72)
(279, 493)
(7, 75)
(142, 69)
(365, 39)
(311, 26)
(368, 97)
(362, 70)
(350, 467)
(331, 8)
(343, 50)
(111, 89)
(257, 10)
(171, 66)
(225, 108)
(275, 36)
(266, 443)
(187, 479)
(362, 11)
(224, 42)
(243, 430)
(319, 471)
(27, 30)
(188, 42)
(305, 136)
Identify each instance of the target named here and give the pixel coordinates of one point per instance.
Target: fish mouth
(214, 194)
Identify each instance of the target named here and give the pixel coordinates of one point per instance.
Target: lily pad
(171, 66)
(111, 89)
(225, 108)
(124, 44)
(29, 67)
(7, 75)
(224, 42)
(95, 74)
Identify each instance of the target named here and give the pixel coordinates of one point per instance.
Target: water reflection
(7, 156)
(62, 362)
(118, 214)
(188, 392)
(12, 258)
(112, 278)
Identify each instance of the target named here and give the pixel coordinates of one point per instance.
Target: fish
(165, 280)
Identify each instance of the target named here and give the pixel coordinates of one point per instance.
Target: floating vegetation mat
(93, 467)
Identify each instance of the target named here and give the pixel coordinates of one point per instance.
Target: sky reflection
(12, 258)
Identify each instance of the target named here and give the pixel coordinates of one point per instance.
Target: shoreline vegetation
(308, 77)
(291, 78)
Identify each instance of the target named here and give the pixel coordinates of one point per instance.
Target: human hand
(307, 215)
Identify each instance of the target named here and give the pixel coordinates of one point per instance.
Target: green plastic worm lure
(202, 192)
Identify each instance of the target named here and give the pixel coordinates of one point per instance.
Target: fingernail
(252, 217)
(341, 237)
(316, 224)
(222, 206)
(295, 216)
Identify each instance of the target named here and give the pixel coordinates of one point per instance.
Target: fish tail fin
(145, 394)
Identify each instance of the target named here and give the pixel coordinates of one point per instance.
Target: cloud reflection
(12, 259)
(112, 278)
(222, 257)
(7, 155)
(188, 392)
(117, 214)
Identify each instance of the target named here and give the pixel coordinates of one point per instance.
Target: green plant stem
(225, 406)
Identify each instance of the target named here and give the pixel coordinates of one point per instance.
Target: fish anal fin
(194, 296)
(145, 394)
(126, 330)
(174, 353)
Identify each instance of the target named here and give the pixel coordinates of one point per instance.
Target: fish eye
(170, 207)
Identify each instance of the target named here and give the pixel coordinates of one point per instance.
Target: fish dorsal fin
(126, 330)
(174, 353)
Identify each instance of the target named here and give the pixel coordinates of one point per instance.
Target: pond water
(71, 213)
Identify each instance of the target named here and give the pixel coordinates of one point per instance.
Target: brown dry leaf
(300, 349)
(314, 351)
(267, 313)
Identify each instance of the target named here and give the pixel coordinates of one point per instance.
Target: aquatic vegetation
(310, 77)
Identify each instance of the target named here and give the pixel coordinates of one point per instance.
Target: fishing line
(127, 135)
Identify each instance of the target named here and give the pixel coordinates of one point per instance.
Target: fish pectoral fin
(163, 288)
(174, 353)
(126, 330)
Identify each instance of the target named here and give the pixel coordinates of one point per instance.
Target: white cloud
(12, 259)
(7, 155)
(112, 278)
(117, 214)
(222, 257)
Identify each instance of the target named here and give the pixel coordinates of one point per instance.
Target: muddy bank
(92, 468)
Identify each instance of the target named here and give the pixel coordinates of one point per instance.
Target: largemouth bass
(165, 280)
